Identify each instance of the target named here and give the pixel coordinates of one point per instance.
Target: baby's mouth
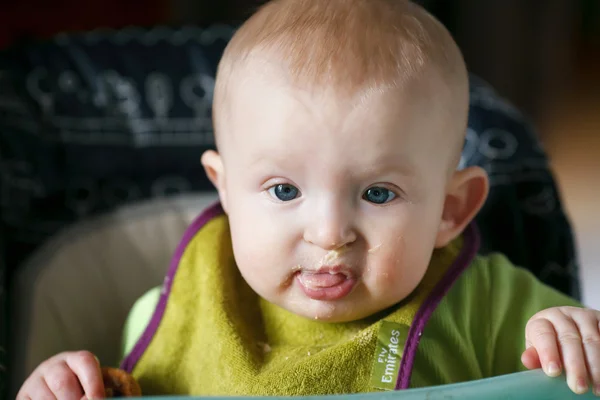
(326, 283)
(321, 279)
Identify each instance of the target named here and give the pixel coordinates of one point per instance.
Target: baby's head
(339, 126)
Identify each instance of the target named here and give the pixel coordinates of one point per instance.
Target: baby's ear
(466, 194)
(213, 166)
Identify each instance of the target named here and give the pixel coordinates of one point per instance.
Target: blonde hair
(350, 45)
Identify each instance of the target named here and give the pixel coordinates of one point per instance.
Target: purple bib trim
(144, 341)
(466, 255)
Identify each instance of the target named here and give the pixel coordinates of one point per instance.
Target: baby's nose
(330, 233)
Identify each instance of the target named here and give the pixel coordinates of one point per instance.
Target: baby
(342, 256)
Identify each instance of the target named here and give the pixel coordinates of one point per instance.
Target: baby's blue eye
(379, 195)
(284, 192)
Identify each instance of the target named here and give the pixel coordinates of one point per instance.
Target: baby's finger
(540, 334)
(36, 390)
(85, 365)
(62, 382)
(531, 359)
(590, 336)
(572, 354)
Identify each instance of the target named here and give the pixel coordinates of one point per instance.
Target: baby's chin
(325, 311)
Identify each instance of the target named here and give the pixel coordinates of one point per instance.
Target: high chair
(100, 139)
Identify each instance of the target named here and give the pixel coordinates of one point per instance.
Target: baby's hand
(569, 338)
(66, 376)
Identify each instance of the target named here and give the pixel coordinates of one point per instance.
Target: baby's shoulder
(494, 279)
(496, 268)
(489, 275)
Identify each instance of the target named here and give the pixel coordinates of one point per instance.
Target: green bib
(212, 335)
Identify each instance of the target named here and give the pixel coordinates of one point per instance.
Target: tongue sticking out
(322, 280)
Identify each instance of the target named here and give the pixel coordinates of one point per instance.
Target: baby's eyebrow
(403, 166)
(399, 165)
(271, 163)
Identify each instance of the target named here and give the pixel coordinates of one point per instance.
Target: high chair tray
(529, 385)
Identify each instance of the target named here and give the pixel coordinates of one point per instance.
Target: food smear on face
(374, 249)
(334, 255)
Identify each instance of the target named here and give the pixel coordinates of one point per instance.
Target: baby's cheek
(386, 270)
(252, 259)
(398, 273)
(264, 262)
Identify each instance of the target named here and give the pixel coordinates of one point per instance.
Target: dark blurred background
(542, 55)
(528, 50)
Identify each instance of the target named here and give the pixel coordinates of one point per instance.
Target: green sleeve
(515, 295)
(478, 329)
(138, 319)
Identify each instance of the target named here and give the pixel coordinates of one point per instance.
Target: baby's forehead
(269, 70)
(263, 77)
(272, 113)
(266, 99)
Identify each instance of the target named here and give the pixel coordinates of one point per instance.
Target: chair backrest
(523, 216)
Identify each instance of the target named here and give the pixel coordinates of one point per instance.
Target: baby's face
(334, 204)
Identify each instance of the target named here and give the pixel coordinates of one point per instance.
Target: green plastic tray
(530, 385)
